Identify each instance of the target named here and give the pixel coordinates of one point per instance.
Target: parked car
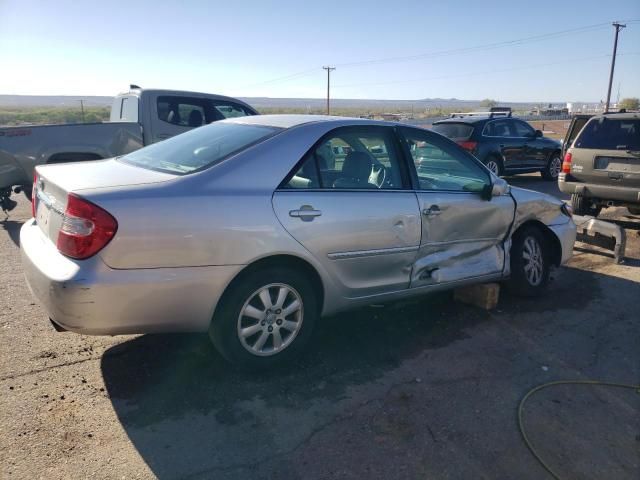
(601, 165)
(138, 117)
(506, 145)
(240, 228)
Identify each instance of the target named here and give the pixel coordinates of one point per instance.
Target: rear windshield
(199, 148)
(455, 131)
(610, 134)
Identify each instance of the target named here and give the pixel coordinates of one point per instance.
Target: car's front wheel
(266, 318)
(530, 263)
(553, 167)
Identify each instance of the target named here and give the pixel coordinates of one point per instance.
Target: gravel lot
(422, 389)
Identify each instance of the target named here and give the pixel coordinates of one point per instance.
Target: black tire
(582, 206)
(497, 161)
(522, 281)
(226, 322)
(553, 167)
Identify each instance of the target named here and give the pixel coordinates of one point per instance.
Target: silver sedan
(253, 228)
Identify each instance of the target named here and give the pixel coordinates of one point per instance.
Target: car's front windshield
(199, 148)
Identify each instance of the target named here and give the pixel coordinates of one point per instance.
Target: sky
(535, 50)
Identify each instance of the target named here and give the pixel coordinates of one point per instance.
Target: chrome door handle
(306, 213)
(432, 211)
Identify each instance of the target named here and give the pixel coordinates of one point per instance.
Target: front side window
(523, 129)
(351, 158)
(442, 166)
(194, 112)
(200, 148)
(498, 128)
(610, 134)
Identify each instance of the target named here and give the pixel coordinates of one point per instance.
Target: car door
(502, 134)
(349, 203)
(463, 228)
(534, 151)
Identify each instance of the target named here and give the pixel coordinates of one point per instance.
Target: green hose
(551, 384)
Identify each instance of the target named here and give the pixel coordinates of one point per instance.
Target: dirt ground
(552, 128)
(413, 390)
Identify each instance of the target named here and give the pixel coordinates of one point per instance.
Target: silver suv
(601, 168)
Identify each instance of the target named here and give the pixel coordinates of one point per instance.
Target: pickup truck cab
(139, 117)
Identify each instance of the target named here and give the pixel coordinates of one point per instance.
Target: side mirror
(499, 187)
(538, 133)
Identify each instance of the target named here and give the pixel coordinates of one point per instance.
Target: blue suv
(506, 145)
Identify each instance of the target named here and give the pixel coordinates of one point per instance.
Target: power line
(488, 46)
(455, 51)
(482, 72)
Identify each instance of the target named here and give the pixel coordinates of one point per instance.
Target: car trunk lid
(54, 183)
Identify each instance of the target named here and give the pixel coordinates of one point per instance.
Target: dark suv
(601, 165)
(504, 144)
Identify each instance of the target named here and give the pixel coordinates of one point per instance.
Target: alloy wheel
(270, 319)
(493, 166)
(555, 166)
(533, 261)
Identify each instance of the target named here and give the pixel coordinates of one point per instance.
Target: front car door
(535, 150)
(463, 232)
(349, 203)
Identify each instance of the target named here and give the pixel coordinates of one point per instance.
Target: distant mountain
(21, 101)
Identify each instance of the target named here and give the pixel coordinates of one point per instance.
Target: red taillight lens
(566, 164)
(33, 194)
(86, 228)
(468, 145)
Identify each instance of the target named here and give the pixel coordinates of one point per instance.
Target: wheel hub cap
(270, 319)
(533, 261)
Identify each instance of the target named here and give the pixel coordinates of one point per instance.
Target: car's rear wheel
(584, 206)
(494, 164)
(530, 263)
(553, 167)
(265, 319)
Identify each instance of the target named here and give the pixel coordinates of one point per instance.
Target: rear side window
(498, 128)
(454, 131)
(610, 134)
(194, 112)
(200, 148)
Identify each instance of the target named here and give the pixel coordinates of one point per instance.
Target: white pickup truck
(139, 117)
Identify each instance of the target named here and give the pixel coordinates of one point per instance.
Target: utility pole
(82, 110)
(329, 70)
(617, 26)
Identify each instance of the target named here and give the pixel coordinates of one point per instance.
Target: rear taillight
(86, 228)
(468, 145)
(33, 194)
(566, 164)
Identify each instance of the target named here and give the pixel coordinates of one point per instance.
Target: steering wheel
(378, 174)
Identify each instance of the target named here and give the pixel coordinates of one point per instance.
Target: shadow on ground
(12, 227)
(183, 407)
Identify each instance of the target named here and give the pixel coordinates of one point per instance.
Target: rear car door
(173, 114)
(607, 152)
(348, 202)
(501, 133)
(462, 231)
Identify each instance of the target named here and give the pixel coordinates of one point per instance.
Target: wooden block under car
(484, 295)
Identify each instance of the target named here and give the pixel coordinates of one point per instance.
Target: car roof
(290, 121)
(617, 115)
(470, 119)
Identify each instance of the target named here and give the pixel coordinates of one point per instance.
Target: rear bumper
(625, 195)
(89, 297)
(566, 233)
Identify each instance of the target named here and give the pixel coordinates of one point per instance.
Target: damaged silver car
(253, 228)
